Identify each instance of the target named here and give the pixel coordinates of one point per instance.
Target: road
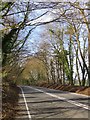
(49, 104)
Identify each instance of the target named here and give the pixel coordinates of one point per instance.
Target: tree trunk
(52, 72)
(63, 75)
(57, 68)
(71, 60)
(89, 57)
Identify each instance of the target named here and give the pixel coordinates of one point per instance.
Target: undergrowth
(10, 95)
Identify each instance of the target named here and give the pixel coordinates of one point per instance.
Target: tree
(29, 20)
(85, 20)
(43, 54)
(34, 72)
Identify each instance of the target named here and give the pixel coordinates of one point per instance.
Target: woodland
(62, 55)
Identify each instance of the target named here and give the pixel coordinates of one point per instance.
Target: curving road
(38, 103)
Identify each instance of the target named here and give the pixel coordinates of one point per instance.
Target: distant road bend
(39, 102)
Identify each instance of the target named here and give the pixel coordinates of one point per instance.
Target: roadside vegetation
(9, 101)
(61, 60)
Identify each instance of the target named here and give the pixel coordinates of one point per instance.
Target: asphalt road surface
(38, 103)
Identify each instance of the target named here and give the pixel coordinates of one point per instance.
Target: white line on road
(62, 98)
(80, 95)
(73, 93)
(29, 116)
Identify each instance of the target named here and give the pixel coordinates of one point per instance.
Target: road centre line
(29, 116)
(62, 98)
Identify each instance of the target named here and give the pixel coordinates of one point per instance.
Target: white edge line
(80, 94)
(71, 92)
(62, 98)
(26, 104)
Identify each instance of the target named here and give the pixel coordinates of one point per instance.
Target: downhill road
(38, 103)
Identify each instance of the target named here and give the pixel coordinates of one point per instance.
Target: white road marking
(62, 98)
(29, 116)
(73, 93)
(80, 94)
